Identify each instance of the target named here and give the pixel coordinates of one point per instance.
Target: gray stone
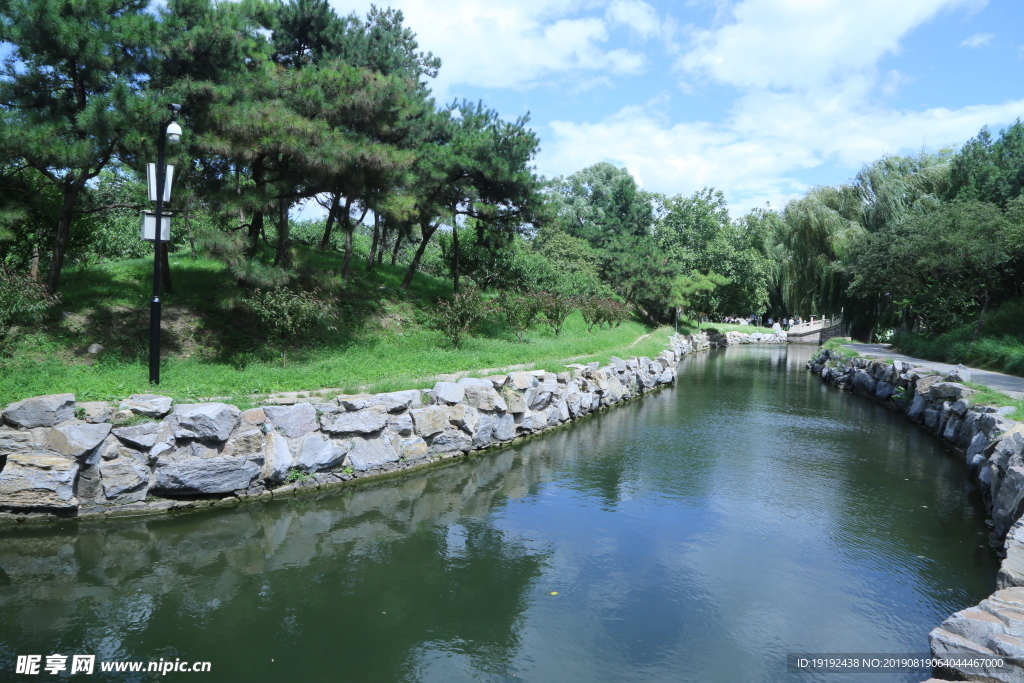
(563, 410)
(448, 392)
(619, 364)
(522, 380)
(124, 479)
(279, 458)
(1011, 571)
(396, 401)
(253, 416)
(450, 440)
(429, 421)
(960, 407)
(950, 391)
(293, 421)
(931, 418)
(246, 444)
(412, 448)
(95, 349)
(31, 480)
(515, 401)
(402, 424)
(41, 411)
(205, 475)
(497, 381)
(76, 439)
(917, 407)
(481, 395)
(142, 436)
(150, 405)
(464, 417)
(96, 411)
(504, 428)
(992, 629)
(318, 452)
(371, 452)
(884, 391)
(863, 381)
(16, 441)
(977, 446)
(1009, 502)
(205, 421)
(959, 374)
(365, 421)
(952, 430)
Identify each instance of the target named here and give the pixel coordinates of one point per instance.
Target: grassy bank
(214, 347)
(999, 346)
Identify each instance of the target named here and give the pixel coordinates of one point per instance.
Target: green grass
(214, 347)
(999, 346)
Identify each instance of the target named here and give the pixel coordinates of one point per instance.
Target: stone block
(958, 374)
(522, 380)
(96, 411)
(317, 452)
(246, 444)
(205, 475)
(515, 401)
(1009, 501)
(366, 452)
(142, 436)
(150, 405)
(464, 417)
(253, 416)
(75, 439)
(123, 479)
(278, 459)
(450, 440)
(205, 421)
(402, 424)
(990, 630)
(449, 393)
(864, 382)
(429, 421)
(41, 411)
(366, 421)
(43, 480)
(293, 421)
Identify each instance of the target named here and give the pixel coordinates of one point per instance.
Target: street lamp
(170, 131)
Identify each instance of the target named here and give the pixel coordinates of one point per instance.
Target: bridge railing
(813, 326)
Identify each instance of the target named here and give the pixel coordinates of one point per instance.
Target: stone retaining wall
(60, 458)
(993, 446)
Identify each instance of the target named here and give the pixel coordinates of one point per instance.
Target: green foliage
(556, 307)
(22, 299)
(597, 311)
(694, 291)
(297, 476)
(455, 318)
(289, 313)
(520, 310)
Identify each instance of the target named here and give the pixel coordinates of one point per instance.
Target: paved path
(1008, 384)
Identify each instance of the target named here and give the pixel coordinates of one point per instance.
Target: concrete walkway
(1008, 384)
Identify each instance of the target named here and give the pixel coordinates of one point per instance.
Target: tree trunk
(34, 271)
(981, 318)
(455, 254)
(398, 243)
(427, 234)
(63, 228)
(383, 242)
(282, 257)
(346, 221)
(376, 238)
(256, 227)
(332, 217)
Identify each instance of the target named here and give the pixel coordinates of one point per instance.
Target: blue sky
(761, 99)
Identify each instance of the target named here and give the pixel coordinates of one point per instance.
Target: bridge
(816, 331)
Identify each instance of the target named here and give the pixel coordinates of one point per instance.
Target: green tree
(72, 93)
(693, 290)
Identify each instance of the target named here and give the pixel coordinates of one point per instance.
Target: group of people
(782, 323)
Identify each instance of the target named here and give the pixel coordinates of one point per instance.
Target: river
(700, 533)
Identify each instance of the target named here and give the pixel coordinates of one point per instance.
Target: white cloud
(752, 156)
(978, 40)
(517, 45)
(804, 43)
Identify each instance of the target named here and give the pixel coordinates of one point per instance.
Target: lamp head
(173, 132)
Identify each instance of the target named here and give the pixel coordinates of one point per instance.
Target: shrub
(22, 299)
(456, 317)
(288, 313)
(556, 308)
(520, 310)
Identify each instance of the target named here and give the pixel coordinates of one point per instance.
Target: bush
(556, 308)
(22, 299)
(520, 310)
(456, 317)
(598, 310)
(288, 313)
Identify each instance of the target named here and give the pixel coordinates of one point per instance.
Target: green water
(698, 534)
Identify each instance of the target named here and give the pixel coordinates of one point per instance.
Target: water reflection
(698, 534)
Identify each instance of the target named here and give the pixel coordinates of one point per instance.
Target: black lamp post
(169, 130)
